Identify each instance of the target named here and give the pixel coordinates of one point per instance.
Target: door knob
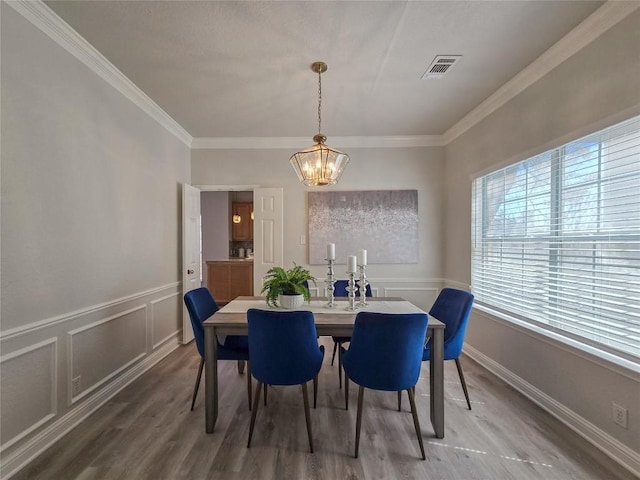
(189, 272)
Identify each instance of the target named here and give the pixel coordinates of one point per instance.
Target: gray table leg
(210, 378)
(436, 381)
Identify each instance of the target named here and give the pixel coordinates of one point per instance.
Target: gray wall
(598, 86)
(90, 239)
(369, 169)
(90, 233)
(214, 207)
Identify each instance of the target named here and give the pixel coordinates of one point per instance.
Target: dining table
(337, 320)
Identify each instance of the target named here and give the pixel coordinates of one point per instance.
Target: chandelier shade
(319, 165)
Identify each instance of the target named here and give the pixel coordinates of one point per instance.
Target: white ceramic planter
(290, 301)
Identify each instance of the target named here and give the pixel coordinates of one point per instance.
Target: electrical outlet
(619, 415)
(75, 386)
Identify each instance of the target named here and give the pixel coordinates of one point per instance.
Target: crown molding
(595, 25)
(59, 31)
(301, 142)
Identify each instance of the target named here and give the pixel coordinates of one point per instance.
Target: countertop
(232, 260)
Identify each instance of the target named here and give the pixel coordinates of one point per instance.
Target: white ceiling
(242, 68)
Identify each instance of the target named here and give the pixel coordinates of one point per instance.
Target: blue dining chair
(340, 290)
(453, 308)
(385, 353)
(284, 351)
(201, 305)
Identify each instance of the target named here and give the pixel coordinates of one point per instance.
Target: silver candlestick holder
(362, 286)
(330, 281)
(351, 290)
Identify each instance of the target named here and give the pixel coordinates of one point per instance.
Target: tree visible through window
(556, 239)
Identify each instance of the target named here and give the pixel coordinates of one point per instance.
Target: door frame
(228, 188)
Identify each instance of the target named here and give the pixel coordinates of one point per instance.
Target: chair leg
(464, 384)
(254, 412)
(340, 367)
(346, 391)
(359, 417)
(195, 389)
(307, 415)
(265, 394)
(315, 391)
(416, 421)
(399, 400)
(333, 356)
(249, 383)
(240, 366)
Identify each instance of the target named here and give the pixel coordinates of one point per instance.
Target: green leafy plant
(279, 281)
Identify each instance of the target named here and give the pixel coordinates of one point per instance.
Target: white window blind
(556, 239)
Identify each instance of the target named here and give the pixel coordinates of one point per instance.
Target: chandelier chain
(319, 102)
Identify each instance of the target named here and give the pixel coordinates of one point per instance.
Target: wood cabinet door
(218, 281)
(243, 230)
(241, 280)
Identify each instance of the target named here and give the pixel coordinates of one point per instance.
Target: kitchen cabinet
(228, 279)
(243, 230)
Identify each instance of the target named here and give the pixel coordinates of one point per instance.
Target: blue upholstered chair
(201, 305)
(340, 290)
(284, 351)
(385, 353)
(453, 308)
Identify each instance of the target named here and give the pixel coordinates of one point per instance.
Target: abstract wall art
(384, 222)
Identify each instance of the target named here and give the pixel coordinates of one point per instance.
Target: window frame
(556, 238)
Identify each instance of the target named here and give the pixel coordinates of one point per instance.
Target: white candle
(351, 264)
(362, 257)
(331, 251)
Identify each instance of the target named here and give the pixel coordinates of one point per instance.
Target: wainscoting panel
(423, 297)
(56, 371)
(99, 351)
(165, 318)
(28, 401)
(420, 291)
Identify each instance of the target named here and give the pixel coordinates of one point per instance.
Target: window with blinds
(556, 239)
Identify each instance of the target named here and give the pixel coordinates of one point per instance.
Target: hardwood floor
(148, 432)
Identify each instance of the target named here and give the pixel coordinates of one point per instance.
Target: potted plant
(287, 288)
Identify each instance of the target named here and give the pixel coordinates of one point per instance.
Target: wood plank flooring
(148, 432)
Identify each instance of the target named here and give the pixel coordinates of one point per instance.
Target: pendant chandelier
(319, 164)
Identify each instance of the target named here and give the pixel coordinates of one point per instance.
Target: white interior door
(191, 251)
(267, 233)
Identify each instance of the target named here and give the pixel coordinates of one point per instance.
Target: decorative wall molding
(389, 291)
(67, 317)
(230, 143)
(420, 291)
(40, 442)
(40, 15)
(595, 25)
(70, 373)
(53, 344)
(153, 303)
(226, 188)
(594, 435)
(459, 285)
(169, 337)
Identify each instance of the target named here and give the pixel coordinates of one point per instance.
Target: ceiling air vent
(441, 65)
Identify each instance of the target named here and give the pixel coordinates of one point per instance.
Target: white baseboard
(12, 463)
(619, 452)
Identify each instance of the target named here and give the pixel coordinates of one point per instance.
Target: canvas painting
(384, 222)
